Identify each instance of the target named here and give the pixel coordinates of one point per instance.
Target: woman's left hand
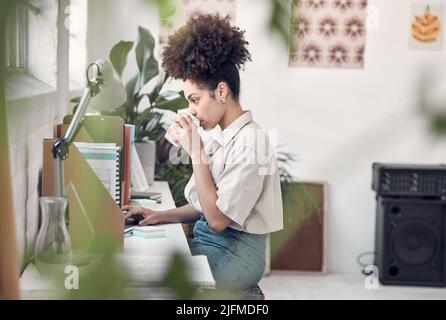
(188, 136)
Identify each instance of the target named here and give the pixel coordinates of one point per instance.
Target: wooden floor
(307, 286)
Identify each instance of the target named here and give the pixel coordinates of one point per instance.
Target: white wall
(35, 102)
(110, 21)
(338, 121)
(77, 22)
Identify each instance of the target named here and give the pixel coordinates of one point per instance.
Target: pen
(128, 231)
(136, 198)
(144, 201)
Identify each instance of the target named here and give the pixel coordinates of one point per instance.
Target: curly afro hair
(207, 50)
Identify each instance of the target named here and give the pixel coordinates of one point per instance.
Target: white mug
(194, 121)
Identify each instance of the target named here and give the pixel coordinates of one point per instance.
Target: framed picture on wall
(426, 26)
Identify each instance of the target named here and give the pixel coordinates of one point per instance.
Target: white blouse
(244, 169)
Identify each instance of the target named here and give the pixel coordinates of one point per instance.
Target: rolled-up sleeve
(239, 185)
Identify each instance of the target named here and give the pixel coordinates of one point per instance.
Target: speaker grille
(410, 236)
(414, 243)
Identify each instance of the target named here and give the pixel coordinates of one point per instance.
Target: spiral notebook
(104, 159)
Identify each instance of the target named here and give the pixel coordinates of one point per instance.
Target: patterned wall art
(186, 8)
(426, 26)
(328, 33)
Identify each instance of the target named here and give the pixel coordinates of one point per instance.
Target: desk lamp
(103, 92)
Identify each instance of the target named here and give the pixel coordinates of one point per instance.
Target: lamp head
(107, 91)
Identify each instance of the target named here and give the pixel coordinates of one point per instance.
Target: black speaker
(410, 241)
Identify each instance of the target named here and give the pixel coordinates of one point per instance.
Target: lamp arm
(60, 146)
(78, 116)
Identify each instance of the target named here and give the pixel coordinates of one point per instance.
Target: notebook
(104, 159)
(129, 142)
(147, 232)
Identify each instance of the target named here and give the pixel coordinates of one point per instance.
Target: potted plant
(152, 148)
(149, 130)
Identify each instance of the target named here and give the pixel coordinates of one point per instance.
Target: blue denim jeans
(236, 258)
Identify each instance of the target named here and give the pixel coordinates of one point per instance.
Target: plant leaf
(132, 87)
(144, 51)
(150, 71)
(76, 100)
(172, 105)
(144, 47)
(118, 55)
(143, 117)
(279, 19)
(166, 11)
(120, 111)
(154, 95)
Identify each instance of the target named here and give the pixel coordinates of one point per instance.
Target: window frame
(16, 39)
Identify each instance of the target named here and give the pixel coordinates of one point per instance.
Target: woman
(234, 193)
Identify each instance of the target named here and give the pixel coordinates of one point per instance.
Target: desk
(147, 260)
(175, 240)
